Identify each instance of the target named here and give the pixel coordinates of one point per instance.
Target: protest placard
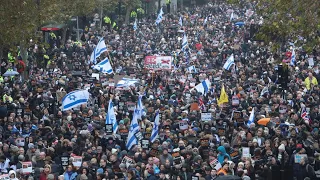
(246, 152)
(298, 157)
(183, 125)
(27, 167)
(77, 161)
(206, 116)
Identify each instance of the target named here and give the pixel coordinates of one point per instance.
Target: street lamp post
(78, 34)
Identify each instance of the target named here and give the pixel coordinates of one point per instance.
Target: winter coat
(15, 175)
(222, 154)
(73, 176)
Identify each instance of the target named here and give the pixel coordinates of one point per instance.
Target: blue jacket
(73, 176)
(222, 153)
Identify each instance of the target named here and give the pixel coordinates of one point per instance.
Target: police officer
(168, 2)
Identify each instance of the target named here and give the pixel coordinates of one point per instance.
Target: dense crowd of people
(199, 138)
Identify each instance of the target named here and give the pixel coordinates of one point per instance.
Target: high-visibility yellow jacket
(133, 14)
(114, 25)
(4, 98)
(140, 10)
(308, 83)
(107, 20)
(53, 36)
(10, 57)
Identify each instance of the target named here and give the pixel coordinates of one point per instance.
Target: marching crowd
(249, 122)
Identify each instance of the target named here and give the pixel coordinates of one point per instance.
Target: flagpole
(110, 62)
(110, 58)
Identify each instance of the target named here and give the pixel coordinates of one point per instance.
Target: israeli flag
(293, 58)
(140, 108)
(134, 128)
(74, 99)
(111, 117)
(203, 87)
(155, 129)
(229, 63)
(34, 127)
(135, 26)
(264, 91)
(100, 48)
(160, 17)
(251, 118)
(192, 69)
(184, 42)
(180, 21)
(205, 21)
(231, 16)
(104, 66)
(126, 82)
(14, 129)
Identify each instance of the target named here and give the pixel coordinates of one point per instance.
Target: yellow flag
(223, 97)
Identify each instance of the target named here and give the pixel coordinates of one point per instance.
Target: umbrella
(228, 178)
(10, 73)
(240, 23)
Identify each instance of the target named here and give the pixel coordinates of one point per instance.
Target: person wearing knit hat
(100, 171)
(83, 177)
(240, 165)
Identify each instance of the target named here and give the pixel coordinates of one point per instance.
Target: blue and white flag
(14, 129)
(205, 21)
(184, 43)
(74, 99)
(180, 21)
(251, 118)
(293, 58)
(134, 128)
(126, 82)
(34, 127)
(192, 69)
(231, 16)
(203, 87)
(104, 66)
(155, 129)
(140, 108)
(111, 117)
(229, 62)
(135, 25)
(160, 17)
(264, 91)
(100, 48)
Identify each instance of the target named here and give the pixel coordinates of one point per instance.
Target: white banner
(183, 125)
(158, 62)
(77, 161)
(26, 167)
(206, 116)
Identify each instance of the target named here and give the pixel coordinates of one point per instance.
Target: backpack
(310, 171)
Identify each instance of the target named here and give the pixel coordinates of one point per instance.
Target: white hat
(114, 151)
(282, 147)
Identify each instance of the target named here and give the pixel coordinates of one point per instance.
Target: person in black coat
(302, 173)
